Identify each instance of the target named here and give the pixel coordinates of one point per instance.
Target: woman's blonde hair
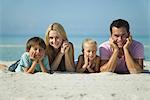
(55, 27)
(88, 41)
(61, 32)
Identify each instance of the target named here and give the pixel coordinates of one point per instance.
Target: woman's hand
(65, 47)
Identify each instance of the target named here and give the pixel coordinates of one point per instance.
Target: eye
(35, 48)
(57, 37)
(124, 35)
(88, 51)
(94, 51)
(116, 35)
(50, 37)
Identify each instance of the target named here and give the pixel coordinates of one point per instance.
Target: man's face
(119, 35)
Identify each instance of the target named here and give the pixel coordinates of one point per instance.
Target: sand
(74, 86)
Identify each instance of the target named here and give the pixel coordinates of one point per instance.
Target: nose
(120, 38)
(54, 40)
(91, 53)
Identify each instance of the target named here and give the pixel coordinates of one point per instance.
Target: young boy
(34, 59)
(88, 61)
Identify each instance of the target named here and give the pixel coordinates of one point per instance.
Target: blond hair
(88, 41)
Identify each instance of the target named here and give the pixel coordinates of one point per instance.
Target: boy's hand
(32, 56)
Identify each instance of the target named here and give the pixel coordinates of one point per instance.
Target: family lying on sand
(120, 54)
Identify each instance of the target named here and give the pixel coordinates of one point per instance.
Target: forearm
(69, 63)
(43, 67)
(90, 70)
(81, 69)
(110, 66)
(133, 66)
(32, 68)
(57, 61)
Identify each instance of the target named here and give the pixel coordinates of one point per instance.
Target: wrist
(125, 48)
(61, 53)
(116, 50)
(35, 61)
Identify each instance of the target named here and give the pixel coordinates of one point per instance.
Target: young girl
(88, 61)
(34, 59)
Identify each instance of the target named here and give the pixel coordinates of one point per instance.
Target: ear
(129, 34)
(27, 49)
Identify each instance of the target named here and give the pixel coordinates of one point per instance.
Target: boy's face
(119, 35)
(90, 51)
(54, 39)
(36, 52)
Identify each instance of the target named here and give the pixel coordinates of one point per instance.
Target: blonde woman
(88, 62)
(59, 50)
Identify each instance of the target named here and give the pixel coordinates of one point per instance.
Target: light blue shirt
(25, 62)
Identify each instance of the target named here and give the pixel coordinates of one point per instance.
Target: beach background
(23, 19)
(12, 47)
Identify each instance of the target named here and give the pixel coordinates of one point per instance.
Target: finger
(130, 38)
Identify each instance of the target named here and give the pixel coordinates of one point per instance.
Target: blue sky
(25, 17)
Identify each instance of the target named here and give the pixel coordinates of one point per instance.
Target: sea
(12, 47)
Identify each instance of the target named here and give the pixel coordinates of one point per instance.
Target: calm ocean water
(11, 48)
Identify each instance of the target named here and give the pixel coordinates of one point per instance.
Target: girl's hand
(86, 59)
(89, 65)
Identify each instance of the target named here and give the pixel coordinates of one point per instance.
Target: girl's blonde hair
(88, 41)
(61, 32)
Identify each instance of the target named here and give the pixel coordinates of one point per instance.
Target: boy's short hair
(89, 41)
(33, 41)
(120, 23)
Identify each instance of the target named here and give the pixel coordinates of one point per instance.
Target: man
(121, 54)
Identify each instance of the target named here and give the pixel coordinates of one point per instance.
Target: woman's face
(54, 39)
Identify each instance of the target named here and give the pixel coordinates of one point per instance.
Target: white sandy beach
(74, 86)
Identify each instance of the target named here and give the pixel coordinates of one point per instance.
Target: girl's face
(54, 39)
(90, 51)
(36, 51)
(119, 35)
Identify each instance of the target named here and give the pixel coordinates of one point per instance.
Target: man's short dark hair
(120, 23)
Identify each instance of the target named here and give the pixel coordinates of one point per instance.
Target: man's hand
(113, 44)
(128, 43)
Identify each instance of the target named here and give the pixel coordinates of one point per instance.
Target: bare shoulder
(71, 44)
(80, 57)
